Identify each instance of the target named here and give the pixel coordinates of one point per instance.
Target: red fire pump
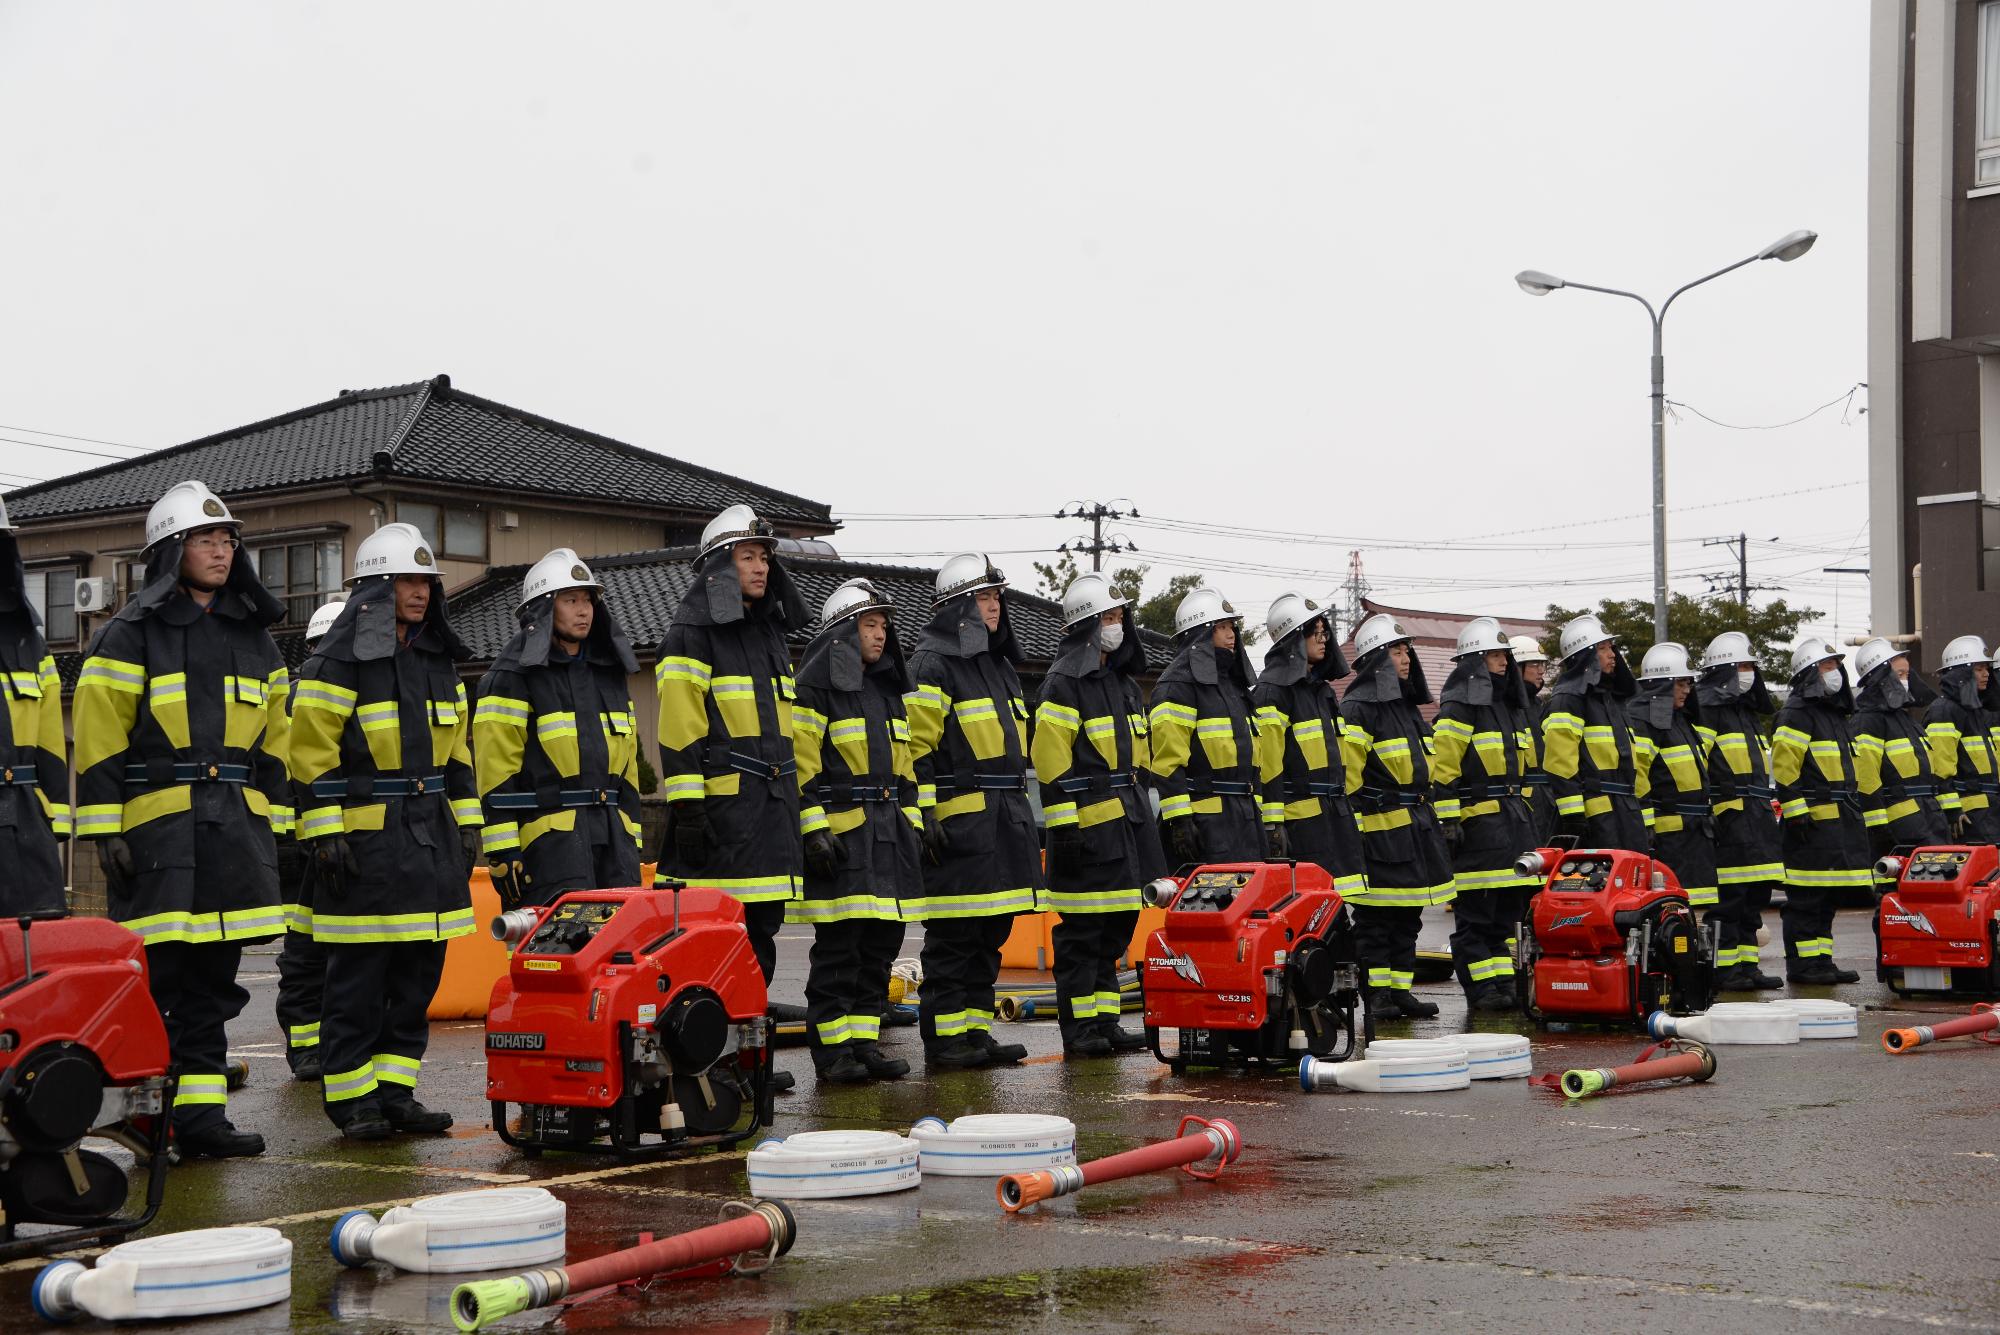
(630, 1022)
(82, 1052)
(1610, 940)
(1255, 964)
(1937, 930)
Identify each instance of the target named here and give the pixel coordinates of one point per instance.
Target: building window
(302, 574)
(52, 592)
(1986, 151)
(456, 533)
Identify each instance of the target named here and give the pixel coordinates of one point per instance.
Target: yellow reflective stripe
(112, 674)
(377, 716)
(167, 688)
(503, 709)
(324, 695)
(397, 1070)
(500, 838)
(1062, 813)
(1053, 715)
(337, 1088)
(683, 669)
(202, 1090)
(95, 820)
(466, 810)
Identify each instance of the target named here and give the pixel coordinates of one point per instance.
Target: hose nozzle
(515, 926)
(480, 1302)
(1581, 1084)
(1532, 863)
(1889, 868)
(1160, 893)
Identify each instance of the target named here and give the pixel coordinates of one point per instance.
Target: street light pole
(1537, 284)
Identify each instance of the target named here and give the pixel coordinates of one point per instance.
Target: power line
(1097, 544)
(1848, 397)
(69, 449)
(88, 440)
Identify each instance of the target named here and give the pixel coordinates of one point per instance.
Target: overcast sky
(1247, 266)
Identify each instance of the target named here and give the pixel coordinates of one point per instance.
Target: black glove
(1183, 847)
(114, 855)
(468, 845)
(1454, 835)
(1065, 847)
(510, 881)
(937, 843)
(690, 839)
(334, 867)
(824, 855)
(1277, 842)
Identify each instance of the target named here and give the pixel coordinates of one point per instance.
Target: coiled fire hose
(1981, 1024)
(1684, 1061)
(756, 1234)
(1216, 1140)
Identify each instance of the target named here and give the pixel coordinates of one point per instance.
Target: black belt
(1222, 788)
(1748, 790)
(1688, 808)
(1612, 788)
(23, 775)
(567, 797)
(1396, 797)
(761, 768)
(1533, 780)
(856, 792)
(1990, 787)
(983, 783)
(362, 786)
(1920, 790)
(1299, 789)
(1085, 783)
(186, 771)
(1474, 794)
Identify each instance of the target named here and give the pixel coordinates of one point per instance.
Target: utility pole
(1741, 542)
(1356, 588)
(1097, 512)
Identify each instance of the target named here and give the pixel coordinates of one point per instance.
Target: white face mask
(1111, 636)
(1746, 677)
(1831, 680)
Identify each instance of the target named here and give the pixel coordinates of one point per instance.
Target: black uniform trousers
(1087, 950)
(1738, 916)
(301, 995)
(961, 958)
(847, 982)
(1807, 917)
(1386, 939)
(1483, 930)
(195, 987)
(378, 997)
(763, 920)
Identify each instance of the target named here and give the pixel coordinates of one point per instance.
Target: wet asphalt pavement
(1822, 1186)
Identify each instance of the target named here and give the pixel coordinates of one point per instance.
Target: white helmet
(560, 569)
(1873, 655)
(1965, 649)
(1089, 596)
(1378, 630)
(1202, 607)
(187, 506)
(1580, 633)
(323, 618)
(968, 572)
(739, 523)
(393, 549)
(1812, 649)
(1527, 649)
(1732, 646)
(1665, 661)
(851, 599)
(1289, 611)
(1480, 635)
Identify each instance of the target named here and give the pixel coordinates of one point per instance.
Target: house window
(302, 574)
(454, 532)
(52, 592)
(1986, 150)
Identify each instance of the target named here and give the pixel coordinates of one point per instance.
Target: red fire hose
(1681, 1061)
(756, 1234)
(1217, 1140)
(1983, 1019)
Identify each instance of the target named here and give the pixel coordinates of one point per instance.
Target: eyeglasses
(226, 543)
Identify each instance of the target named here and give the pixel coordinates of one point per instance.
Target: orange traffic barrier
(1030, 946)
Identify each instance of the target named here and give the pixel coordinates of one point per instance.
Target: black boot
(961, 1054)
(362, 1120)
(1491, 998)
(405, 1114)
(1087, 1043)
(217, 1139)
(997, 1053)
(839, 1066)
(1414, 1009)
(1817, 972)
(881, 1066)
(1764, 981)
(306, 1070)
(1841, 975)
(1120, 1038)
(783, 1082)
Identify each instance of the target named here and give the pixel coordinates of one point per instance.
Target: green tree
(1695, 621)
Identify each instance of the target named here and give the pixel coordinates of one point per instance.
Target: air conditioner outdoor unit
(95, 595)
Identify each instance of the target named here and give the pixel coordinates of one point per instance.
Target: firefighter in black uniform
(302, 960)
(859, 818)
(554, 743)
(180, 757)
(1826, 839)
(1386, 745)
(1900, 796)
(1750, 860)
(1204, 743)
(1534, 665)
(1666, 720)
(726, 763)
(1484, 746)
(34, 757)
(1298, 738)
(388, 808)
(982, 853)
(1587, 743)
(1103, 844)
(1958, 727)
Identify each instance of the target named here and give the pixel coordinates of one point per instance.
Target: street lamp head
(1789, 246)
(1538, 284)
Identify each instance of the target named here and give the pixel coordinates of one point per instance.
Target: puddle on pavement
(1003, 1303)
